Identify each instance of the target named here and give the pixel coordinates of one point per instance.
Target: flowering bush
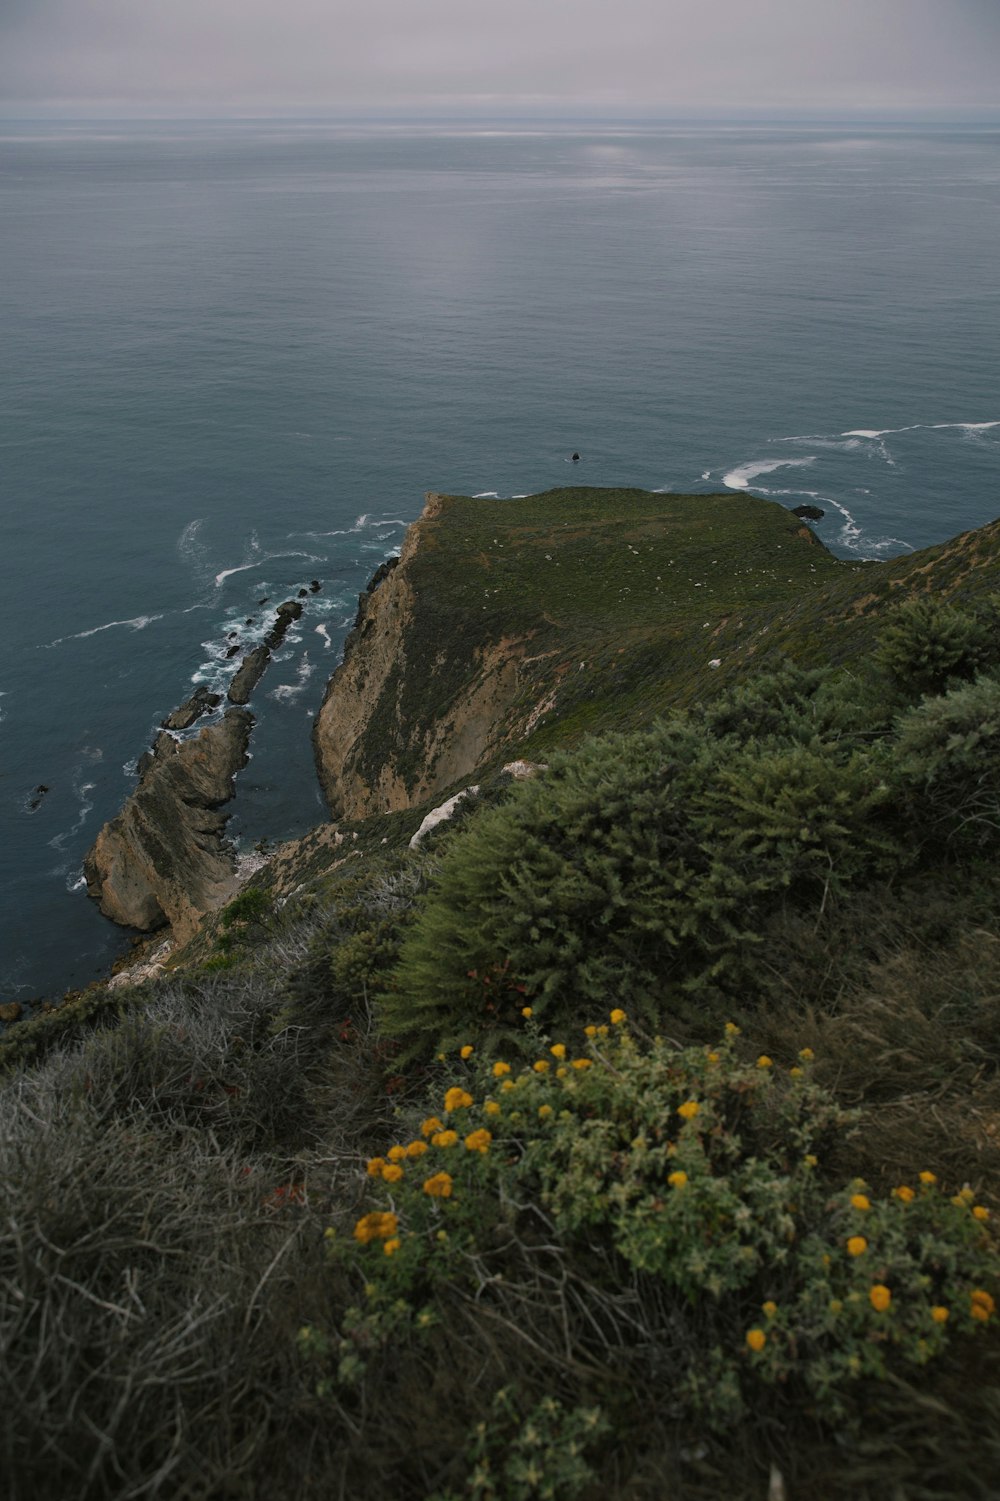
(696, 1181)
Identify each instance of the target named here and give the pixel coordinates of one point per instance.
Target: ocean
(235, 356)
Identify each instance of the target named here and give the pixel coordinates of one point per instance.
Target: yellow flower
(928, 1178)
(712, 1057)
(457, 1099)
(379, 1225)
(499, 1069)
(541, 1065)
(731, 1029)
(980, 1213)
(527, 1011)
(430, 1125)
(375, 1166)
(811, 1160)
(491, 1107)
(558, 1050)
(396, 1154)
(677, 1179)
(617, 1017)
(688, 1110)
(880, 1297)
(508, 1084)
(940, 1314)
(756, 1339)
(438, 1187)
(392, 1246)
(582, 1063)
(603, 1030)
(544, 1111)
(981, 1299)
(905, 1193)
(392, 1172)
(467, 1051)
(795, 1073)
(590, 1031)
(444, 1139)
(416, 1148)
(479, 1141)
(806, 1054)
(836, 1306)
(857, 1245)
(860, 1201)
(966, 1195)
(561, 1072)
(764, 1061)
(769, 1308)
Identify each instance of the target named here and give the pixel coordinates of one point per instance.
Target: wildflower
(379, 1225)
(811, 1160)
(438, 1187)
(467, 1051)
(544, 1111)
(712, 1057)
(479, 1141)
(928, 1178)
(806, 1054)
(880, 1297)
(982, 1304)
(392, 1172)
(590, 1031)
(603, 1030)
(416, 1148)
(617, 1017)
(677, 1179)
(980, 1213)
(558, 1050)
(688, 1110)
(491, 1107)
(499, 1069)
(731, 1029)
(769, 1308)
(795, 1073)
(857, 1245)
(444, 1139)
(582, 1063)
(764, 1061)
(756, 1339)
(561, 1073)
(966, 1195)
(375, 1166)
(329, 1233)
(541, 1065)
(457, 1099)
(860, 1201)
(430, 1125)
(527, 1011)
(836, 1306)
(940, 1314)
(396, 1154)
(507, 1085)
(904, 1193)
(390, 1247)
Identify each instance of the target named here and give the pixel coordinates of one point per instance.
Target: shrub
(639, 1216)
(946, 766)
(929, 644)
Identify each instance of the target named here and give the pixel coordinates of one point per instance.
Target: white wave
(322, 630)
(740, 478)
(139, 623)
(189, 546)
(361, 522)
(885, 432)
(708, 474)
(82, 791)
(267, 557)
(967, 427)
(292, 690)
(486, 495)
(76, 882)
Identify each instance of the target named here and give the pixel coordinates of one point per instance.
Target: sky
(616, 58)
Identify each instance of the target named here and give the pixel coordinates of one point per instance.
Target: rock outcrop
(163, 859)
(252, 668)
(201, 702)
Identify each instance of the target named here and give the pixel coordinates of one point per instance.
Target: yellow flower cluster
(467, 1051)
(444, 1138)
(880, 1297)
(457, 1099)
(677, 1179)
(688, 1110)
(499, 1069)
(479, 1141)
(378, 1225)
(860, 1201)
(439, 1186)
(981, 1305)
(430, 1125)
(857, 1245)
(756, 1339)
(617, 1016)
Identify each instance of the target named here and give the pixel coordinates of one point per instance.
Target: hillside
(632, 1134)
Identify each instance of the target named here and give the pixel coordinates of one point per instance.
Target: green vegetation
(636, 1137)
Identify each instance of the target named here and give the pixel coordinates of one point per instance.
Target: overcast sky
(496, 57)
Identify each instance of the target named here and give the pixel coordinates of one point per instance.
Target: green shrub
(668, 1218)
(929, 644)
(946, 767)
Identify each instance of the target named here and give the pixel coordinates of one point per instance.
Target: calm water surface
(234, 358)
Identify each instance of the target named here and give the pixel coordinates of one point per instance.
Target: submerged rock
(163, 859)
(808, 513)
(201, 702)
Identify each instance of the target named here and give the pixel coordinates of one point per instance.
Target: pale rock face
(163, 860)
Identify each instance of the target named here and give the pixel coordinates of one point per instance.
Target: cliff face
(163, 860)
(515, 627)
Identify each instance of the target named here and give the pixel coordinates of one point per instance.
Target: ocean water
(235, 356)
